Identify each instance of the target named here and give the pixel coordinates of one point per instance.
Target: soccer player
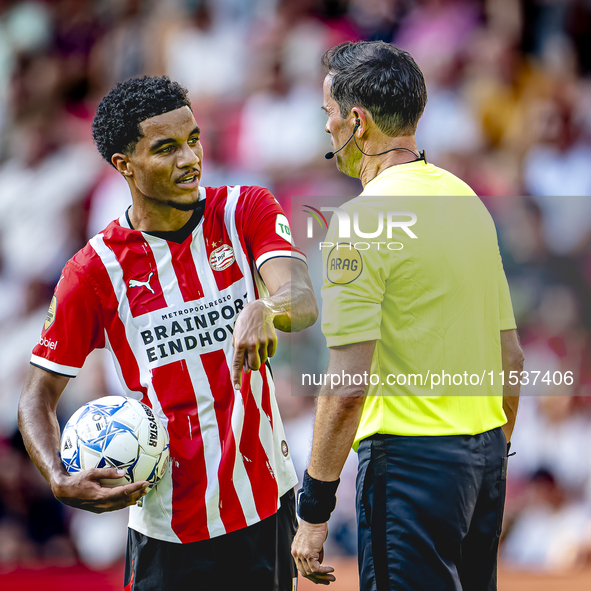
(186, 290)
(423, 300)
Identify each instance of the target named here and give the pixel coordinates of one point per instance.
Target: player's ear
(121, 163)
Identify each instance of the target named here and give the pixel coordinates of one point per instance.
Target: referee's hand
(308, 552)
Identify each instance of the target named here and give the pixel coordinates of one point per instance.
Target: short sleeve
(266, 228)
(73, 326)
(353, 290)
(507, 317)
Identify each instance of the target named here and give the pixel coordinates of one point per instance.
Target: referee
(423, 307)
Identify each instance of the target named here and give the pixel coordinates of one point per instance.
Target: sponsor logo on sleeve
(47, 343)
(50, 313)
(344, 264)
(282, 228)
(221, 258)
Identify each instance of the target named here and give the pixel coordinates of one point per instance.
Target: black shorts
(430, 511)
(256, 557)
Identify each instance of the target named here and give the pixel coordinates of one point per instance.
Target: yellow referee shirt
(428, 285)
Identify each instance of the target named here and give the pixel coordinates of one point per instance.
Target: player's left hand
(308, 552)
(254, 339)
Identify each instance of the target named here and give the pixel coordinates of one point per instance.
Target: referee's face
(340, 130)
(165, 166)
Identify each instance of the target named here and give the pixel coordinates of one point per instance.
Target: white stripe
(166, 275)
(204, 271)
(241, 258)
(67, 370)
(280, 253)
(211, 443)
(141, 519)
(133, 336)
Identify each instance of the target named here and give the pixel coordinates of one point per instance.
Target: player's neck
(372, 166)
(162, 218)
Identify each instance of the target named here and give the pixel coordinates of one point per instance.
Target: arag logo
(343, 264)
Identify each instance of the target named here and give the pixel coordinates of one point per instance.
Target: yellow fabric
(436, 304)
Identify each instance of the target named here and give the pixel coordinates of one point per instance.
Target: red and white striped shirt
(167, 312)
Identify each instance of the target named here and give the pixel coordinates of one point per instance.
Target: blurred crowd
(509, 111)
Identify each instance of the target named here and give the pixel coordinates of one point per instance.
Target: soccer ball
(116, 432)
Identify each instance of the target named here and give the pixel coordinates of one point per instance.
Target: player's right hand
(84, 491)
(254, 339)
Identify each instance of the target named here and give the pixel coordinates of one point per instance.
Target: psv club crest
(222, 257)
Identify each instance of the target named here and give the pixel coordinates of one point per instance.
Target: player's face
(165, 165)
(340, 129)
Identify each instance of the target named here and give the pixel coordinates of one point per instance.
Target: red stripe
(138, 263)
(175, 391)
(218, 374)
(114, 325)
(214, 229)
(186, 273)
(240, 222)
(262, 479)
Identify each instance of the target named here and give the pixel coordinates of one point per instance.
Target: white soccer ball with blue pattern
(116, 432)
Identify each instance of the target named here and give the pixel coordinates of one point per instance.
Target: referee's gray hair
(381, 78)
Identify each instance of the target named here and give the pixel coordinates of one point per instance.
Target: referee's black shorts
(256, 557)
(430, 511)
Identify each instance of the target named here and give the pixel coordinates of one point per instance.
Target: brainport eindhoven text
(190, 330)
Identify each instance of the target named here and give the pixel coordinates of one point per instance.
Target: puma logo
(136, 283)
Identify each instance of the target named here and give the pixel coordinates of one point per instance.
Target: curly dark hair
(380, 77)
(116, 125)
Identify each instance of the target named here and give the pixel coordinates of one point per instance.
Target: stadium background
(509, 111)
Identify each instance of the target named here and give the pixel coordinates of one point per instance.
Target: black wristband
(317, 499)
